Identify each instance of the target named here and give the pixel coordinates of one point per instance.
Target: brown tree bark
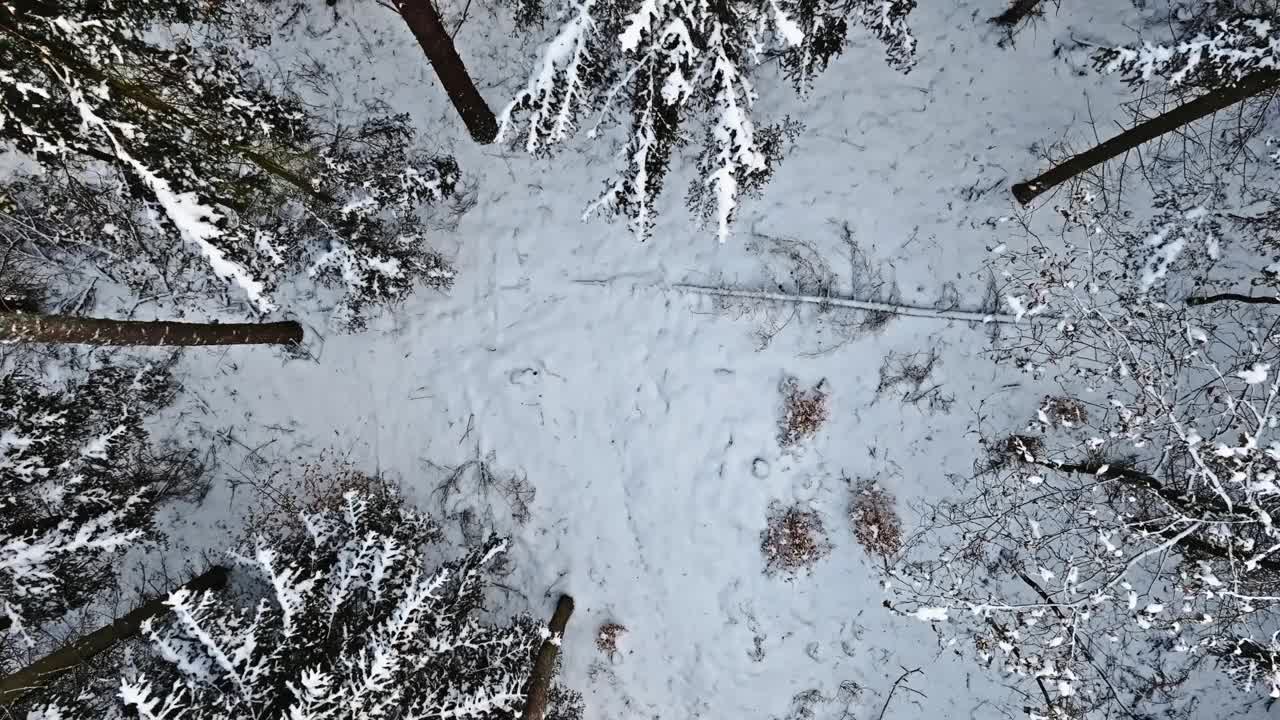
(41, 672)
(1206, 104)
(424, 21)
(33, 327)
(544, 667)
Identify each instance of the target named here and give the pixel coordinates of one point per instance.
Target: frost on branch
(665, 62)
(1218, 54)
(348, 622)
(77, 487)
(169, 163)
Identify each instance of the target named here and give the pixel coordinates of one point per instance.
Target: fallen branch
(535, 705)
(908, 310)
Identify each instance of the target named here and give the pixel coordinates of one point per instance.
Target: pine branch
(41, 672)
(151, 102)
(897, 309)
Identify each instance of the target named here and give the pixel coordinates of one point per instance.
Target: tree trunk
(1234, 297)
(31, 327)
(1017, 11)
(424, 21)
(535, 705)
(1206, 104)
(42, 671)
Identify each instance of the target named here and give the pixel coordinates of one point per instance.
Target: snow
(638, 414)
(646, 422)
(1254, 375)
(787, 27)
(932, 614)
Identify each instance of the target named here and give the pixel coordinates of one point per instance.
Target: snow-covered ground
(638, 411)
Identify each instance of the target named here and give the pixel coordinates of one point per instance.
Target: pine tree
(673, 63)
(35, 679)
(168, 157)
(78, 485)
(348, 623)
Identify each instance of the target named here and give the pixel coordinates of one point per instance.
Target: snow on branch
(1220, 54)
(185, 151)
(71, 493)
(348, 622)
(668, 63)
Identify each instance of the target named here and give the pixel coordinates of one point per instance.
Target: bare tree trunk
(48, 668)
(425, 23)
(535, 706)
(33, 327)
(1206, 104)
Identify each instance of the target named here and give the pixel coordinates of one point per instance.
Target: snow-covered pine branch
(348, 622)
(76, 487)
(1218, 54)
(667, 63)
(178, 148)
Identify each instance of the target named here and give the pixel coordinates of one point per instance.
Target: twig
(905, 674)
(908, 310)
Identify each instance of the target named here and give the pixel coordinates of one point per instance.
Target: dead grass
(910, 373)
(876, 525)
(316, 487)
(1064, 411)
(804, 412)
(1015, 449)
(607, 638)
(794, 541)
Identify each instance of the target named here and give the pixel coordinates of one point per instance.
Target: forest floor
(646, 419)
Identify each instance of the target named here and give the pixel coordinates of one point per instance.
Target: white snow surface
(639, 413)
